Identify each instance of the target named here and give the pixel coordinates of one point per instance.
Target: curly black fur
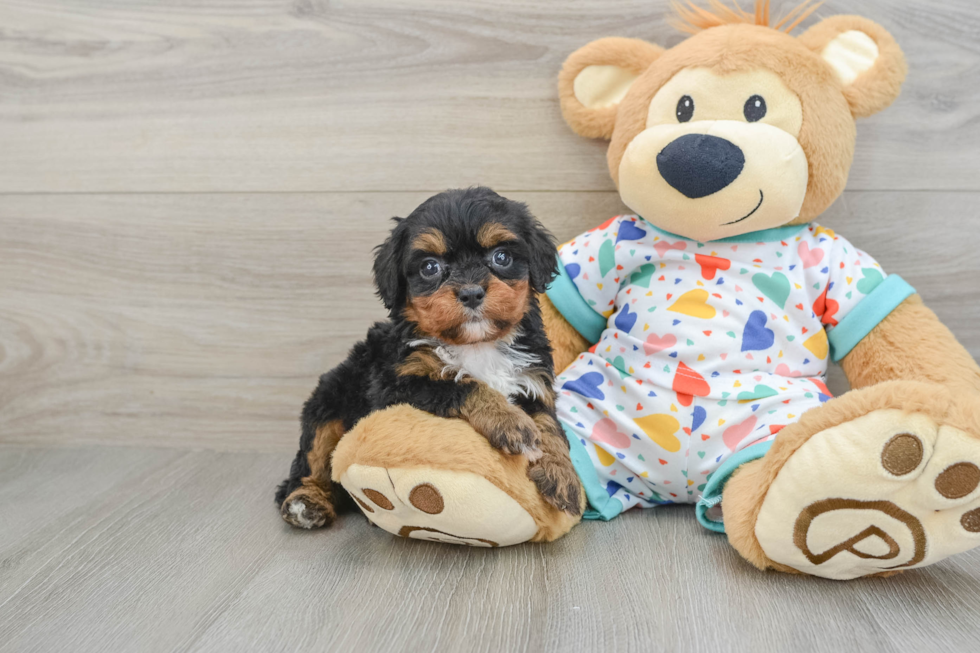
(369, 379)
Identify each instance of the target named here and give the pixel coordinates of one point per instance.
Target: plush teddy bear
(695, 335)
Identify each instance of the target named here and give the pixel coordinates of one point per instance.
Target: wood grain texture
(204, 320)
(189, 195)
(315, 95)
(183, 551)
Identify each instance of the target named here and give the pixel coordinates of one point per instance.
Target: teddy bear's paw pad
(302, 511)
(438, 505)
(888, 491)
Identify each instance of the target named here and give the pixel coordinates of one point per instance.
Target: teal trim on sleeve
(868, 314)
(573, 307)
(716, 484)
(601, 505)
(762, 236)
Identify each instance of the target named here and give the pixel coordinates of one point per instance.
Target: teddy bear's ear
(596, 77)
(865, 58)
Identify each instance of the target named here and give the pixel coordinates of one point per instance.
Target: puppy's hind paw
(303, 511)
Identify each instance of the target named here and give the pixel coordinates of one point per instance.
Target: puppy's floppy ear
(542, 255)
(864, 57)
(596, 77)
(387, 263)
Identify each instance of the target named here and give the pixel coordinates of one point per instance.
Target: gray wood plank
(45, 501)
(192, 320)
(262, 95)
(189, 555)
(204, 320)
(197, 319)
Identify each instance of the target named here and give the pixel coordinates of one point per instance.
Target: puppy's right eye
(430, 268)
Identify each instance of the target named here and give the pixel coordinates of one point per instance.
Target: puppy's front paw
(557, 482)
(511, 430)
(303, 510)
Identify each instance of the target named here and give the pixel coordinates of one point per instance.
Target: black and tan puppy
(460, 278)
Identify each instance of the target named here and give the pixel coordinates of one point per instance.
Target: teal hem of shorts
(716, 484)
(868, 314)
(573, 307)
(601, 505)
(762, 236)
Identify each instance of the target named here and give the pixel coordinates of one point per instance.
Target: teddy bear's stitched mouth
(750, 212)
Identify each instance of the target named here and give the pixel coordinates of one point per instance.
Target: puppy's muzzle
(471, 296)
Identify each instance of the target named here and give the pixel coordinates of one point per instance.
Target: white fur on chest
(498, 364)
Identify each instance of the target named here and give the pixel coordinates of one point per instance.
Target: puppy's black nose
(471, 296)
(698, 165)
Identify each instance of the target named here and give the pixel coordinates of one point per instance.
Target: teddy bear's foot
(895, 488)
(438, 505)
(424, 477)
(886, 491)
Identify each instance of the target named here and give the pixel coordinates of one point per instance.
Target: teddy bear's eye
(685, 108)
(755, 108)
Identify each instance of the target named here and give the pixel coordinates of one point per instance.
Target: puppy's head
(463, 265)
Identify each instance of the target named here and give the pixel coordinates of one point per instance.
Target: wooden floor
(189, 195)
(141, 549)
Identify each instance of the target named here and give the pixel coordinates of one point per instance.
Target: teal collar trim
(601, 505)
(566, 298)
(763, 236)
(716, 482)
(867, 314)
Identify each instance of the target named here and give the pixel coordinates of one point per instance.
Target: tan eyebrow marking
(430, 240)
(494, 233)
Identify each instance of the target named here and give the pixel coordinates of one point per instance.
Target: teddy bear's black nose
(698, 165)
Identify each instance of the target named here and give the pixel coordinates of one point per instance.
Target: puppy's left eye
(430, 268)
(501, 259)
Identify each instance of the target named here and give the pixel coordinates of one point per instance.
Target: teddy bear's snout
(698, 165)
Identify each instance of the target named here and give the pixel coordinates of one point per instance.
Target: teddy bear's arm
(911, 344)
(566, 342)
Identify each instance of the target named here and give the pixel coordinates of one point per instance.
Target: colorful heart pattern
(643, 276)
(625, 319)
(817, 344)
(587, 385)
(736, 433)
(629, 231)
(775, 286)
(695, 304)
(661, 247)
(662, 430)
(606, 432)
(709, 348)
(688, 383)
(711, 264)
(809, 257)
(826, 309)
(656, 343)
(755, 335)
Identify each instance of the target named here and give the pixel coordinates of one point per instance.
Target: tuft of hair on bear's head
(692, 19)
